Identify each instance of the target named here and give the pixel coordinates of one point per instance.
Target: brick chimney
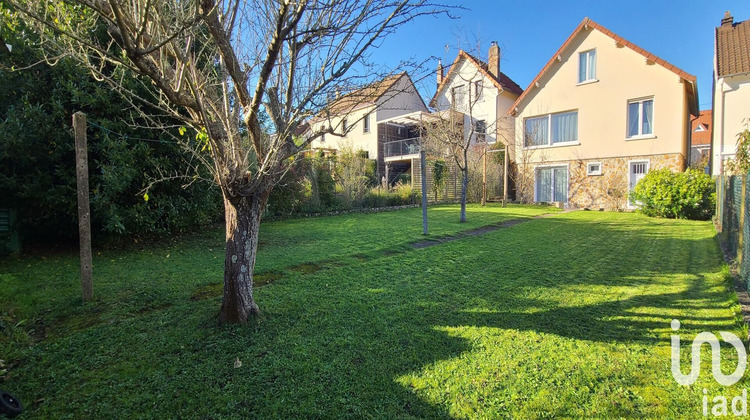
(493, 61)
(728, 19)
(440, 74)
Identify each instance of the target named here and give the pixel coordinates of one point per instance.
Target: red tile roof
(588, 23)
(733, 48)
(502, 82)
(703, 136)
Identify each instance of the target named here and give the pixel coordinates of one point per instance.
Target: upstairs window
(641, 118)
(366, 125)
(478, 90)
(480, 129)
(458, 96)
(587, 66)
(344, 126)
(551, 129)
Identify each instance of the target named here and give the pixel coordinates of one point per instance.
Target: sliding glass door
(552, 184)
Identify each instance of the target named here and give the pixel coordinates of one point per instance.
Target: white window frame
(456, 93)
(588, 77)
(640, 134)
(480, 136)
(549, 131)
(552, 165)
(366, 123)
(591, 172)
(478, 90)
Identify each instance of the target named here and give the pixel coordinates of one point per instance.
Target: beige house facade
(600, 115)
(731, 87)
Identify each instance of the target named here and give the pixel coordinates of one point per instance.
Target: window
(480, 128)
(458, 96)
(594, 168)
(641, 118)
(552, 184)
(551, 129)
(587, 66)
(699, 128)
(478, 90)
(344, 126)
(366, 126)
(323, 138)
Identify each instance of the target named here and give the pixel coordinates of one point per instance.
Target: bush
(687, 195)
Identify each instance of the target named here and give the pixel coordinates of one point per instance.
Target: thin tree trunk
(464, 187)
(242, 227)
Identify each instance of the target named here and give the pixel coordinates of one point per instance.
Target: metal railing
(403, 147)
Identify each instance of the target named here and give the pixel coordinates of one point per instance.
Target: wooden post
(423, 170)
(505, 176)
(484, 176)
(84, 215)
(742, 222)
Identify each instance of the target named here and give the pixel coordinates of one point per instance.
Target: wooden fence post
(84, 214)
(741, 233)
(423, 170)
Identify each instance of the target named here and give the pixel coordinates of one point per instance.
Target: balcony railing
(403, 147)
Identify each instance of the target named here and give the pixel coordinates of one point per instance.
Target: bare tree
(218, 66)
(455, 133)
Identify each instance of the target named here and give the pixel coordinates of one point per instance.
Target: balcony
(402, 149)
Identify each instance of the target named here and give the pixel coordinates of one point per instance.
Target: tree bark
(464, 187)
(242, 227)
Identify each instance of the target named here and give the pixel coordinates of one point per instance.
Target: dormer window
(587, 66)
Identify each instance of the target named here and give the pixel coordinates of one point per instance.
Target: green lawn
(566, 316)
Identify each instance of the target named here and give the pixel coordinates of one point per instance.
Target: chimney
(728, 19)
(440, 74)
(493, 62)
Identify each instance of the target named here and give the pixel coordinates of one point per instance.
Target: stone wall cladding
(609, 190)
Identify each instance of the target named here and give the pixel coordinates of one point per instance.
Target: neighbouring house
(599, 115)
(700, 141)
(356, 118)
(481, 92)
(731, 88)
(472, 92)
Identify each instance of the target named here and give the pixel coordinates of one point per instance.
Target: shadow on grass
(332, 343)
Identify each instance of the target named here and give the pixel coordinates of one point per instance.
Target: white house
(356, 118)
(481, 92)
(731, 87)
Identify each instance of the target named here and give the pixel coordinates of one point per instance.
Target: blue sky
(529, 32)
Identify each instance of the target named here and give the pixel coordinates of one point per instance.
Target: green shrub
(686, 195)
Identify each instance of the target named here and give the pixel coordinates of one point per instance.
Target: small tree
(740, 165)
(439, 171)
(351, 174)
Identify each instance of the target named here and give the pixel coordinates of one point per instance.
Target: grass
(566, 316)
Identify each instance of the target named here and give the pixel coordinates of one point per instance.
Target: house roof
(502, 82)
(363, 97)
(702, 136)
(733, 47)
(588, 23)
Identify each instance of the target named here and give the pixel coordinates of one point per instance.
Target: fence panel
(733, 218)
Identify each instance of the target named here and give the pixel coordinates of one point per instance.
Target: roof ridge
(585, 23)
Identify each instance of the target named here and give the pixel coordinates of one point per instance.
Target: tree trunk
(464, 187)
(242, 227)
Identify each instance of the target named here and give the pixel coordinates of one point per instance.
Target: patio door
(552, 184)
(636, 171)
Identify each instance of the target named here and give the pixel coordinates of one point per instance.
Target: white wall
(730, 115)
(490, 107)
